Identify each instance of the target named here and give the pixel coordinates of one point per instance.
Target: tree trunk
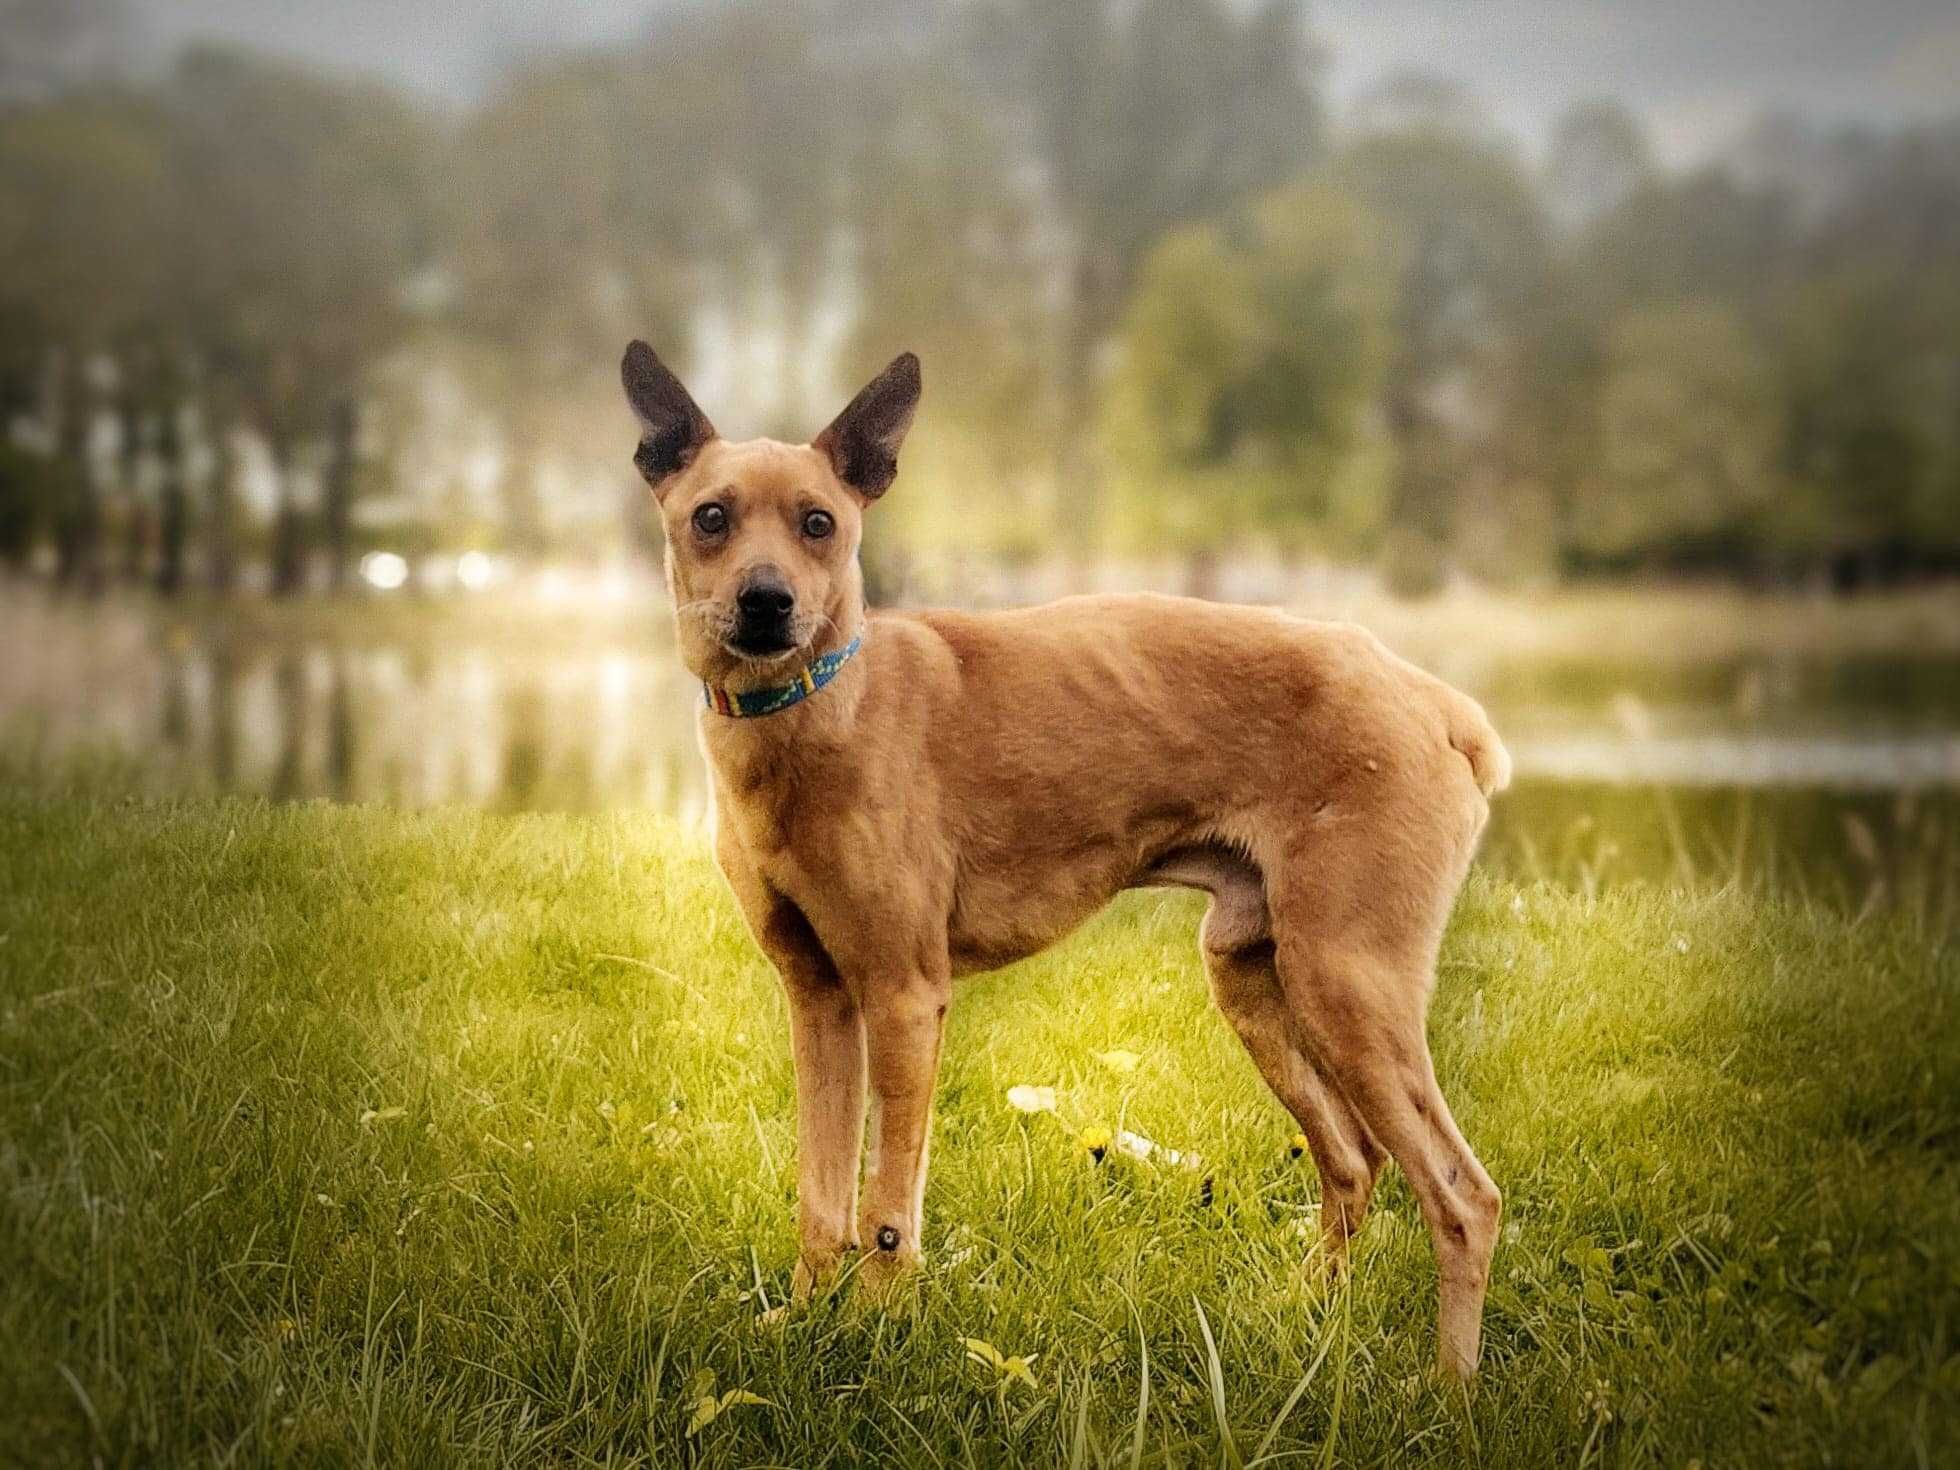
(221, 518)
(135, 526)
(173, 509)
(22, 489)
(288, 571)
(78, 518)
(337, 492)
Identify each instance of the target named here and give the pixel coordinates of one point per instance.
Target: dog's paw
(1317, 1274)
(819, 1274)
(888, 1279)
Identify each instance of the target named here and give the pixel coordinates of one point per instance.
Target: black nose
(765, 597)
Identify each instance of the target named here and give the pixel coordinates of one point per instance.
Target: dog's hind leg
(1246, 987)
(1237, 943)
(1362, 1010)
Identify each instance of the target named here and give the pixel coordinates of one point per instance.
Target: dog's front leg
(827, 1040)
(827, 1044)
(904, 1017)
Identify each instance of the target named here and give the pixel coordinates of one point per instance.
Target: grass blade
(1292, 1401)
(1340, 1375)
(1079, 1450)
(1228, 1450)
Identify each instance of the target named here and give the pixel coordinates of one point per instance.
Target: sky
(1696, 70)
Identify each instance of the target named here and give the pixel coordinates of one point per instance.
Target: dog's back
(1208, 685)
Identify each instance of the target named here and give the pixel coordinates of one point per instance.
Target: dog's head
(762, 537)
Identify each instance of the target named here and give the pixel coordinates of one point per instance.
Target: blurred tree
(50, 46)
(1599, 155)
(311, 211)
(1431, 351)
(1875, 360)
(1475, 263)
(86, 182)
(1846, 273)
(173, 498)
(24, 499)
(1702, 237)
(134, 523)
(1413, 100)
(632, 193)
(1250, 356)
(536, 197)
(1685, 440)
(951, 254)
(1141, 117)
(337, 491)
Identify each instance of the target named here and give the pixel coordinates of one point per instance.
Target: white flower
(1031, 1099)
(1142, 1149)
(1119, 1061)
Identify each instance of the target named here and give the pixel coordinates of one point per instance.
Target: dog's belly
(1004, 911)
(998, 922)
(995, 923)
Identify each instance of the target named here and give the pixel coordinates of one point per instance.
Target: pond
(1834, 767)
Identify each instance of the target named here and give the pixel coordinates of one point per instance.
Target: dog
(902, 798)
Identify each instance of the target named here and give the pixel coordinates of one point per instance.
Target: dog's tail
(1472, 735)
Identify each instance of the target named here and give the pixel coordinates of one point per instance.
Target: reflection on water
(1863, 762)
(412, 728)
(419, 709)
(1637, 774)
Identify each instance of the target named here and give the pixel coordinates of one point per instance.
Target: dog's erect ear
(862, 441)
(672, 426)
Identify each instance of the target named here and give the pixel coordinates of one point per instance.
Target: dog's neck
(741, 747)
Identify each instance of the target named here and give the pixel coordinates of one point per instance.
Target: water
(1647, 768)
(399, 712)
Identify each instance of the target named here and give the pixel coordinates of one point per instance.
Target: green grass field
(336, 1135)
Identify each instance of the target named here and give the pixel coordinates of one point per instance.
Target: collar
(751, 704)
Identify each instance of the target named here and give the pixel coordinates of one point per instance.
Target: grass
(337, 1135)
(1858, 852)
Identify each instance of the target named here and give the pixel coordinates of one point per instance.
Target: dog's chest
(772, 800)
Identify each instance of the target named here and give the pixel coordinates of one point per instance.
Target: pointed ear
(862, 441)
(672, 426)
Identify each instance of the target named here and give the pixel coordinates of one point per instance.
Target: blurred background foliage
(257, 319)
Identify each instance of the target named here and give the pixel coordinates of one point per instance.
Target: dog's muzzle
(764, 608)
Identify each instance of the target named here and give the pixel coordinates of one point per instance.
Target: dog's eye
(711, 519)
(818, 524)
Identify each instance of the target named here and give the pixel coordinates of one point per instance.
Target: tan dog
(964, 789)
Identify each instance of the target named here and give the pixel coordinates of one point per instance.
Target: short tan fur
(972, 786)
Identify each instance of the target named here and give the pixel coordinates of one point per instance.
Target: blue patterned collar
(750, 704)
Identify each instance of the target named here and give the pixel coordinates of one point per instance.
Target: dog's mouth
(756, 640)
(767, 639)
(763, 644)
